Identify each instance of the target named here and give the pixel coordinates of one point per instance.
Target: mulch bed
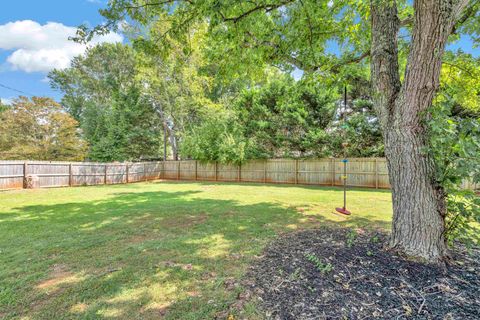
(347, 274)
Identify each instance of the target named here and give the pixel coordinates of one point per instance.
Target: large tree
(418, 198)
(404, 43)
(177, 82)
(101, 91)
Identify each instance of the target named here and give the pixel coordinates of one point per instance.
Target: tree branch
(266, 7)
(153, 4)
(458, 10)
(406, 22)
(462, 14)
(358, 59)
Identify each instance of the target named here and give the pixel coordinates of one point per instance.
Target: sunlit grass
(150, 250)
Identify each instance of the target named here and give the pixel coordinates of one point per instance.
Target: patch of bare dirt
(58, 275)
(184, 221)
(342, 274)
(51, 288)
(155, 311)
(171, 264)
(139, 238)
(79, 308)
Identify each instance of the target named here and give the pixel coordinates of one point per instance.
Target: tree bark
(418, 199)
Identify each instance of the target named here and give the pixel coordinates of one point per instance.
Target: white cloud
(43, 47)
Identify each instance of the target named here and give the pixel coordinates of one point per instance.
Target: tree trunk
(168, 127)
(173, 143)
(418, 200)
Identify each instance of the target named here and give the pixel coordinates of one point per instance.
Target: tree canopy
(102, 93)
(39, 129)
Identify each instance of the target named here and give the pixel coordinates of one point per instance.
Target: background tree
(3, 107)
(176, 80)
(218, 138)
(39, 129)
(285, 118)
(102, 93)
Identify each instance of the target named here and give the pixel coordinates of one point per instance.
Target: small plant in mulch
(321, 266)
(344, 274)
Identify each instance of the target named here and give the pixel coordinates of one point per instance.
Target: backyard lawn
(150, 250)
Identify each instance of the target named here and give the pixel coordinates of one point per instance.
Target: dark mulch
(365, 280)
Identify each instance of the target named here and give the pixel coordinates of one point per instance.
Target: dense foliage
(100, 91)
(456, 149)
(218, 138)
(39, 129)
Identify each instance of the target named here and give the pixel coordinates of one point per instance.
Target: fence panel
(362, 172)
(281, 171)
(187, 170)
(382, 169)
(116, 173)
(315, 172)
(136, 172)
(50, 174)
(11, 175)
(170, 170)
(228, 172)
(153, 170)
(254, 171)
(206, 171)
(88, 174)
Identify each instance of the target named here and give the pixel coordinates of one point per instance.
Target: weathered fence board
(361, 172)
(11, 174)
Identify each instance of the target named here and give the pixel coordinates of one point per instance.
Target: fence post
(105, 175)
(296, 171)
(376, 173)
(145, 178)
(333, 171)
(25, 167)
(216, 171)
(265, 171)
(196, 170)
(178, 169)
(239, 175)
(70, 182)
(162, 173)
(126, 172)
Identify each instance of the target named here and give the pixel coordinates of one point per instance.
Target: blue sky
(70, 13)
(33, 37)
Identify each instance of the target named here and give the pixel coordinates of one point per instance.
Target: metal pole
(344, 184)
(344, 145)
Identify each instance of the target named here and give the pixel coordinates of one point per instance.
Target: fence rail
(361, 172)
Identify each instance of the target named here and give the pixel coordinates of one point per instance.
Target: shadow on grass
(137, 254)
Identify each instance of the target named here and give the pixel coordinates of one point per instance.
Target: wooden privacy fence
(64, 174)
(362, 172)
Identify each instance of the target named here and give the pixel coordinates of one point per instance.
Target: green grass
(146, 250)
